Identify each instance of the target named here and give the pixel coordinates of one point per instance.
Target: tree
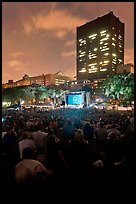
(10, 94)
(120, 87)
(28, 93)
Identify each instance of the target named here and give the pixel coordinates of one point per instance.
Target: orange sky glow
(40, 37)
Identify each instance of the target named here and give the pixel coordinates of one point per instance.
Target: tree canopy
(30, 93)
(120, 86)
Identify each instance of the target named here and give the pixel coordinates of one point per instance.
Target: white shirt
(3, 134)
(27, 169)
(39, 138)
(26, 143)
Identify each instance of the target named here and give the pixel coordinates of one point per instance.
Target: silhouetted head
(27, 153)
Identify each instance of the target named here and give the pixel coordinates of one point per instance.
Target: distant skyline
(40, 37)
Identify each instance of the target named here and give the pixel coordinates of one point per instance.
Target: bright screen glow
(74, 99)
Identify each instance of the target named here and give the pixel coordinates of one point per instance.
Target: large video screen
(74, 99)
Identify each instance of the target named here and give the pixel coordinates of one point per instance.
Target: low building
(125, 68)
(9, 84)
(45, 80)
(57, 79)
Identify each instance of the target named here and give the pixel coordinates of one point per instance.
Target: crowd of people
(68, 155)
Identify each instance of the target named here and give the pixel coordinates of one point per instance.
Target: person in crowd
(53, 125)
(77, 124)
(68, 130)
(26, 141)
(10, 152)
(27, 170)
(100, 136)
(114, 129)
(88, 131)
(70, 158)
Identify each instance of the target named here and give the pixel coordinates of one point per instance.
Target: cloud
(16, 65)
(16, 54)
(60, 34)
(68, 54)
(70, 43)
(28, 28)
(57, 20)
(129, 56)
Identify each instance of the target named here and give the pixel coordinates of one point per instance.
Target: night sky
(40, 37)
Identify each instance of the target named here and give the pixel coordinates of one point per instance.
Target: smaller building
(25, 81)
(9, 84)
(45, 80)
(39, 80)
(57, 79)
(125, 68)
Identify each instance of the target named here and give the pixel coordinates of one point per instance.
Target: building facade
(126, 68)
(45, 80)
(100, 47)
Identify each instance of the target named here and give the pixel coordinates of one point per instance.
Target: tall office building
(100, 47)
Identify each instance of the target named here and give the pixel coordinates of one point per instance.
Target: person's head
(24, 135)
(113, 136)
(113, 125)
(27, 153)
(79, 136)
(101, 124)
(9, 128)
(87, 124)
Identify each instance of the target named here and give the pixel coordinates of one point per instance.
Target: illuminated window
(103, 31)
(95, 49)
(114, 59)
(113, 54)
(106, 61)
(105, 49)
(105, 64)
(102, 34)
(103, 39)
(113, 39)
(113, 44)
(120, 37)
(93, 35)
(82, 70)
(92, 71)
(106, 53)
(102, 70)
